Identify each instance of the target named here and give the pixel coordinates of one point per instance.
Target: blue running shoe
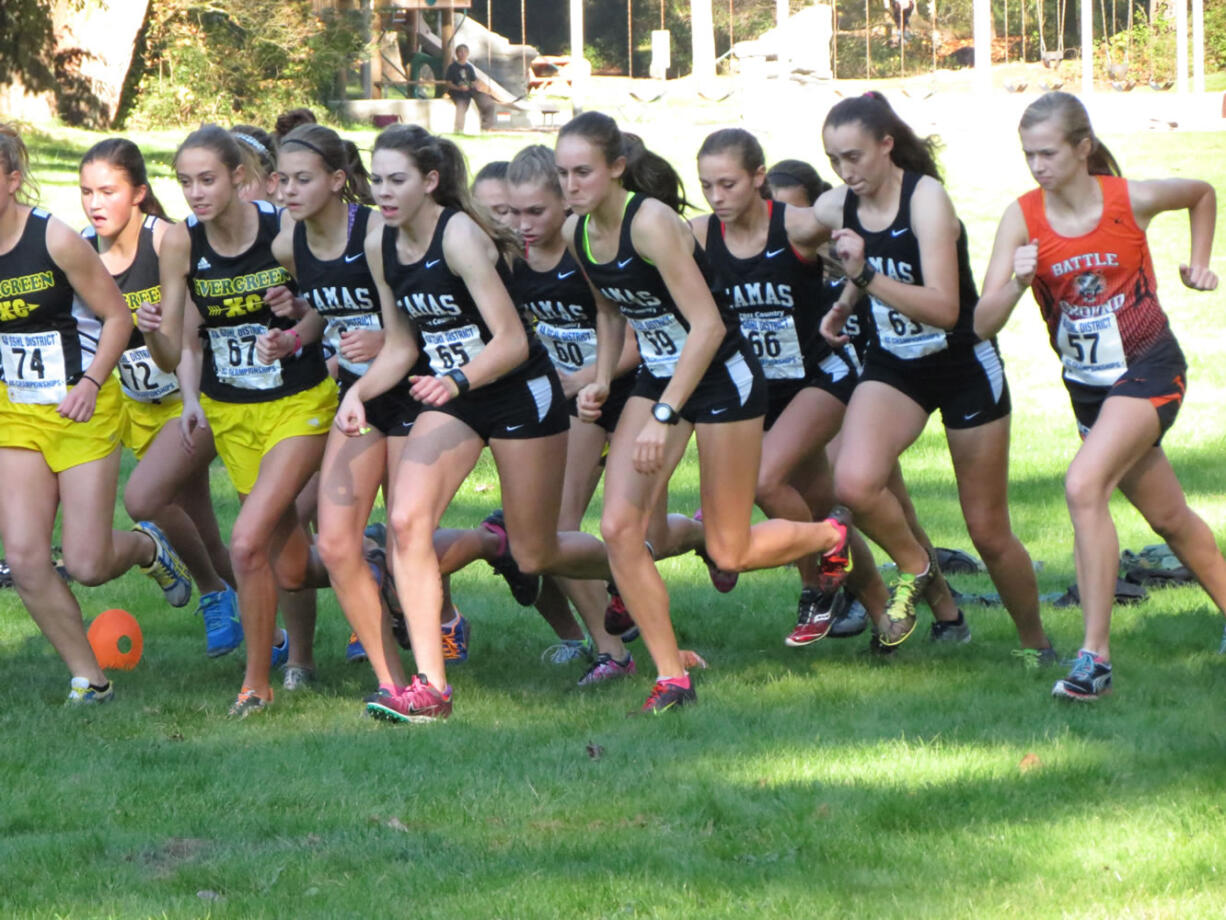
(280, 651)
(354, 652)
(223, 630)
(1089, 679)
(167, 569)
(455, 639)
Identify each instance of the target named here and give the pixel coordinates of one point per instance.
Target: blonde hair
(16, 158)
(1068, 112)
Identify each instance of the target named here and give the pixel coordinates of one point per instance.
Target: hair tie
(309, 146)
(252, 143)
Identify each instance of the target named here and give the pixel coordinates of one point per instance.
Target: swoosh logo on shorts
(514, 427)
(434, 263)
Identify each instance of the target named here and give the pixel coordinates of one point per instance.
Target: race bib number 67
(235, 359)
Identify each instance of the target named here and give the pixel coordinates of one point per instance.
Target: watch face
(662, 413)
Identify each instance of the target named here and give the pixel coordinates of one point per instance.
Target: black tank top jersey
(139, 283)
(229, 293)
(894, 251)
(450, 329)
(778, 298)
(41, 345)
(639, 291)
(559, 302)
(342, 290)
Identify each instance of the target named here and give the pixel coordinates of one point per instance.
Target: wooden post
(1198, 46)
(447, 35)
(983, 46)
(1181, 45)
(1087, 47)
(834, 38)
(629, 40)
(868, 51)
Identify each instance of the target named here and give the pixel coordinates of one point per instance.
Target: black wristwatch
(865, 278)
(461, 382)
(665, 414)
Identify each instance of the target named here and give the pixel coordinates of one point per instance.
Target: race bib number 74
(34, 367)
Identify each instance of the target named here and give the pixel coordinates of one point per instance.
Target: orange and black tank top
(1097, 291)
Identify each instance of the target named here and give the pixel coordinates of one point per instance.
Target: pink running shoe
(418, 702)
(607, 668)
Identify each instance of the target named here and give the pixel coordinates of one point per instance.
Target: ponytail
(910, 151)
(1068, 112)
(646, 173)
(430, 153)
(120, 153)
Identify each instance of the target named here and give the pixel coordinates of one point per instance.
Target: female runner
(797, 183)
(1078, 241)
(697, 375)
(169, 486)
(441, 282)
(899, 240)
(548, 284)
(325, 187)
(766, 255)
(269, 419)
(59, 422)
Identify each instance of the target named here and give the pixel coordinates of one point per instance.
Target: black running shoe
(617, 619)
(666, 695)
(850, 617)
(1089, 679)
(956, 631)
(524, 588)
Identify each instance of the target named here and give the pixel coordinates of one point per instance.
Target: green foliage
(1149, 51)
(26, 43)
(238, 60)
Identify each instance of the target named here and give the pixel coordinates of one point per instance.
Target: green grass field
(808, 783)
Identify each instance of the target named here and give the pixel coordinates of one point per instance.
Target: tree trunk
(94, 42)
(702, 28)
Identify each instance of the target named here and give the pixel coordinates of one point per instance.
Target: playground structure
(415, 40)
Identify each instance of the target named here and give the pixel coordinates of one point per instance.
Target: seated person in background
(464, 87)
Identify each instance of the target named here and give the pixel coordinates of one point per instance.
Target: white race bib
(570, 349)
(142, 379)
(661, 339)
(1091, 349)
(236, 362)
(34, 367)
(351, 322)
(453, 348)
(775, 344)
(904, 337)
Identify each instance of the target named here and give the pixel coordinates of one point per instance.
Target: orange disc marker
(116, 640)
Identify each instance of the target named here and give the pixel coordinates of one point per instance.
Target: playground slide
(499, 63)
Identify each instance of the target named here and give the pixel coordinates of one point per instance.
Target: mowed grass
(819, 782)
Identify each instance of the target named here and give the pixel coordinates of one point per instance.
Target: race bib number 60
(235, 359)
(34, 367)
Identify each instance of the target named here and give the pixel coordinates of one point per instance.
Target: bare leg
(981, 467)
